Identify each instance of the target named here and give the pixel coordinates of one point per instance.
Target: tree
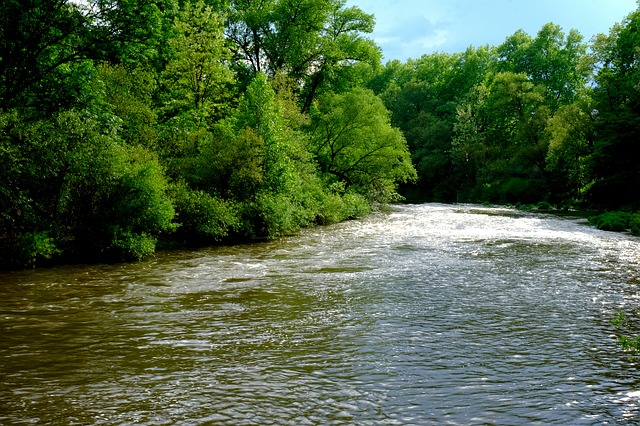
(257, 160)
(552, 60)
(501, 133)
(42, 40)
(355, 144)
(614, 165)
(423, 96)
(197, 80)
(315, 42)
(130, 93)
(70, 185)
(571, 138)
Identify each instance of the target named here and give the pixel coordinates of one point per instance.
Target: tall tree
(312, 41)
(423, 96)
(500, 132)
(39, 37)
(571, 138)
(197, 79)
(552, 60)
(614, 163)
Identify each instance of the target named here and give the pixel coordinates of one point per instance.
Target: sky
(411, 28)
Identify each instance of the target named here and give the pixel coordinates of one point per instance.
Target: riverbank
(615, 221)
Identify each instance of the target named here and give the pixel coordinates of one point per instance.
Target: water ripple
(430, 314)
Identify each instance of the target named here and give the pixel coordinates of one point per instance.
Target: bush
(201, 218)
(519, 190)
(612, 221)
(544, 205)
(127, 245)
(35, 247)
(356, 206)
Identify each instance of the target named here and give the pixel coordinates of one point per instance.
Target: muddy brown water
(428, 314)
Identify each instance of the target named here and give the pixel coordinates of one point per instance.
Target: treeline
(129, 124)
(548, 120)
(125, 124)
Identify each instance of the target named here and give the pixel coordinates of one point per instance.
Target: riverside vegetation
(131, 124)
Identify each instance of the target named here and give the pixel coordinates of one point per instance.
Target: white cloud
(430, 42)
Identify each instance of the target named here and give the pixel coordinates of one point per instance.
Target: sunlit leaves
(197, 79)
(552, 60)
(317, 43)
(355, 143)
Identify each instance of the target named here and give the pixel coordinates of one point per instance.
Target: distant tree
(571, 137)
(552, 60)
(423, 96)
(354, 142)
(500, 133)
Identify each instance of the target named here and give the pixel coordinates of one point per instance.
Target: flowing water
(429, 314)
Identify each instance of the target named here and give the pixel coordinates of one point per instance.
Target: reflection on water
(430, 314)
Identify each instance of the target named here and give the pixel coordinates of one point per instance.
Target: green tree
(423, 96)
(470, 145)
(355, 144)
(256, 160)
(571, 138)
(130, 93)
(71, 186)
(614, 165)
(502, 128)
(41, 40)
(552, 60)
(197, 80)
(317, 43)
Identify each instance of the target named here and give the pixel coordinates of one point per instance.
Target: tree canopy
(538, 119)
(126, 124)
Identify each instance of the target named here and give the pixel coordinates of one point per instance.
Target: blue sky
(410, 28)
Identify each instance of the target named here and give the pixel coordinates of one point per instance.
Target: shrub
(544, 205)
(35, 247)
(114, 201)
(634, 224)
(518, 190)
(612, 221)
(201, 217)
(128, 245)
(356, 205)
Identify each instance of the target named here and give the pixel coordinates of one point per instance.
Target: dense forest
(128, 125)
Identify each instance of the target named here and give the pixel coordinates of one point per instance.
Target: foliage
(615, 221)
(130, 92)
(628, 341)
(423, 96)
(36, 247)
(571, 138)
(196, 80)
(80, 186)
(43, 41)
(112, 197)
(551, 60)
(318, 43)
(200, 217)
(355, 144)
(125, 124)
(613, 166)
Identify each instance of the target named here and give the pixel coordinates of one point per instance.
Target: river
(428, 314)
